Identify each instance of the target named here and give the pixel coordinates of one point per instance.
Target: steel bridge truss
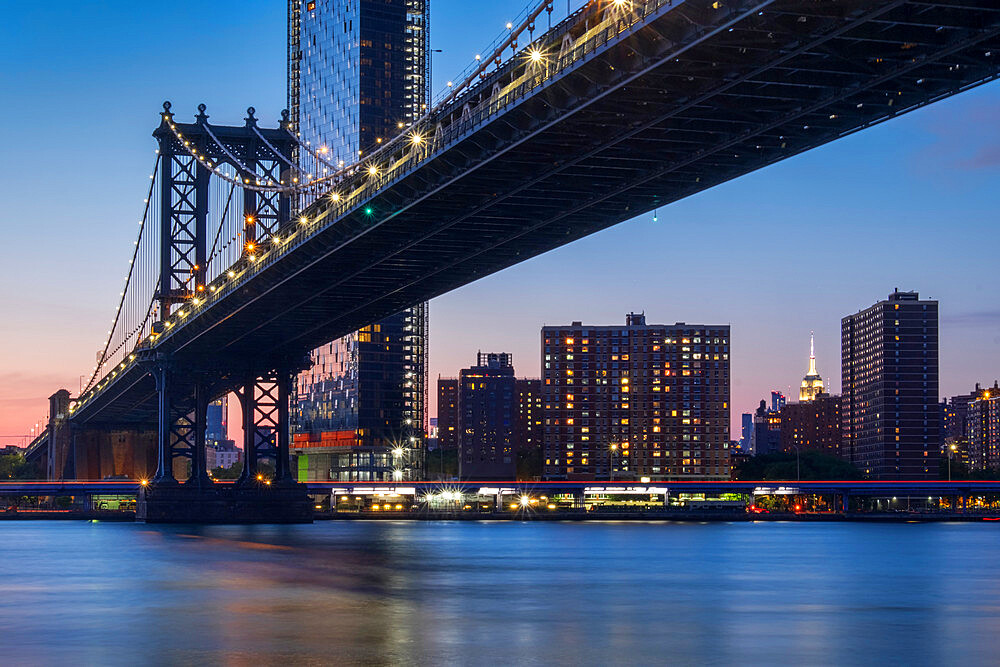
(190, 154)
(183, 399)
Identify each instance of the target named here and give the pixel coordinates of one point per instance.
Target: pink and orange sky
(912, 203)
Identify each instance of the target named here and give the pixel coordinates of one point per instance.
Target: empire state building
(812, 383)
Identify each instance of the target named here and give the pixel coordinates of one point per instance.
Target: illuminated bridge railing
(346, 191)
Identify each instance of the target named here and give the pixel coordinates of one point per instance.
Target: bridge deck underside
(694, 98)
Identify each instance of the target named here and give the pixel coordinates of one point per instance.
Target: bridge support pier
(255, 497)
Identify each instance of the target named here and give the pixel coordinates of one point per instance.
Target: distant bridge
(625, 106)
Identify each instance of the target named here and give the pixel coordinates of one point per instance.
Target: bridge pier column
(282, 464)
(248, 402)
(199, 471)
(162, 374)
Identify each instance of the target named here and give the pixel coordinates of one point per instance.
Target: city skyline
(918, 185)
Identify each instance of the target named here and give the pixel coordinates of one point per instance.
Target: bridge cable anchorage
(128, 279)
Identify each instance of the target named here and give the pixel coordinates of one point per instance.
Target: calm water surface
(500, 593)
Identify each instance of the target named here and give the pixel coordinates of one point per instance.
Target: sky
(913, 203)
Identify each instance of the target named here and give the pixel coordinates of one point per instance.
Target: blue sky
(912, 203)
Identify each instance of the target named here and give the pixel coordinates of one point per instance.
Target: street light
(951, 450)
(613, 448)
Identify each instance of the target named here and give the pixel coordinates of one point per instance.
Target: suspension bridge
(256, 247)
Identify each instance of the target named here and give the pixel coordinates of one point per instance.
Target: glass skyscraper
(357, 75)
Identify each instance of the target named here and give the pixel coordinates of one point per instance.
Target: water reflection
(500, 593)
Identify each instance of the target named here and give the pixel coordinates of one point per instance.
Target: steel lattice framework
(190, 154)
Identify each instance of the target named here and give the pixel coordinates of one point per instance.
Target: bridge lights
(249, 220)
(231, 274)
(372, 170)
(335, 196)
(368, 210)
(250, 246)
(303, 220)
(535, 55)
(144, 482)
(416, 139)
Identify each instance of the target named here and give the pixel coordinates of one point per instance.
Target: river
(498, 593)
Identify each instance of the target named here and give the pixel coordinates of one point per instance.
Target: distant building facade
(447, 413)
(983, 428)
(636, 401)
(746, 432)
(359, 411)
(889, 404)
(528, 427)
(767, 426)
(216, 420)
(487, 406)
(954, 426)
(222, 454)
(812, 425)
(473, 417)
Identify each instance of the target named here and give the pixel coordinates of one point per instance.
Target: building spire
(812, 383)
(812, 356)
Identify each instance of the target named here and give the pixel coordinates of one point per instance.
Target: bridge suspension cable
(135, 305)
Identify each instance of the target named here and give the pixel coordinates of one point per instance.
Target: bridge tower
(190, 155)
(260, 162)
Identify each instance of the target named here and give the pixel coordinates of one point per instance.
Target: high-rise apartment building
(487, 413)
(357, 75)
(216, 420)
(465, 422)
(635, 401)
(983, 428)
(447, 413)
(767, 426)
(889, 402)
(528, 426)
(746, 432)
(812, 425)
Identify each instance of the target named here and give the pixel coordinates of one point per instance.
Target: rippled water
(500, 593)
